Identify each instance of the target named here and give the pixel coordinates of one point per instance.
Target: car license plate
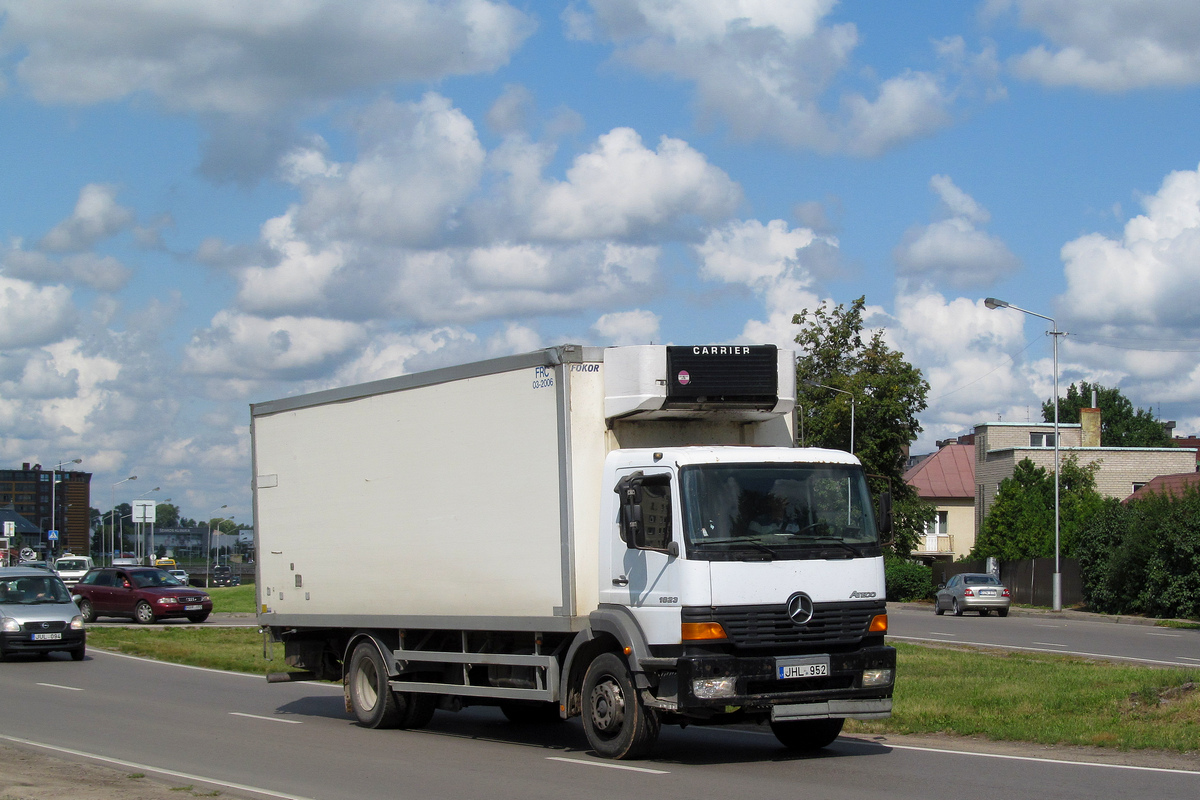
(45, 637)
(787, 669)
(987, 592)
(193, 608)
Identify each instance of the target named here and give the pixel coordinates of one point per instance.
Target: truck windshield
(777, 511)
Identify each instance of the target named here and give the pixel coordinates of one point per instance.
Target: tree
(1121, 425)
(1020, 523)
(166, 515)
(888, 394)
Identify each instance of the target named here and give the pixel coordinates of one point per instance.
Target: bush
(907, 580)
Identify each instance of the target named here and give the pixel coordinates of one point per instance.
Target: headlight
(168, 599)
(714, 688)
(11, 625)
(76, 623)
(876, 677)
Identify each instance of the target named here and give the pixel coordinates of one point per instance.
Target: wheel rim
(85, 611)
(364, 685)
(607, 705)
(145, 613)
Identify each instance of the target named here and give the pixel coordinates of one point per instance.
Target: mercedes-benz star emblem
(800, 608)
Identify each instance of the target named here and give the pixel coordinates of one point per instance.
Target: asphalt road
(1071, 633)
(241, 736)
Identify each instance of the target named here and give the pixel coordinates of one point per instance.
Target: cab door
(642, 542)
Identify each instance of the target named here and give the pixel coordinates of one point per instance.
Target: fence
(1031, 581)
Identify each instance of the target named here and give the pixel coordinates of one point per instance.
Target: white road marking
(936, 633)
(1080, 653)
(268, 719)
(1049, 644)
(57, 686)
(133, 765)
(1188, 658)
(1172, 635)
(585, 763)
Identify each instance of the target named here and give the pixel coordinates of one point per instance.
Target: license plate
(987, 592)
(193, 608)
(807, 668)
(45, 637)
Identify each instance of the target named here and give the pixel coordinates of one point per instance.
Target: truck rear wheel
(807, 734)
(617, 723)
(371, 697)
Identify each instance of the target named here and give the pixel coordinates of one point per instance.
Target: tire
(1002, 612)
(804, 735)
(416, 709)
(937, 607)
(87, 611)
(371, 698)
(616, 722)
(520, 713)
(79, 652)
(143, 614)
(957, 608)
(197, 617)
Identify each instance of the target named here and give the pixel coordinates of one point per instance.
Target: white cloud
(954, 250)
(251, 57)
(96, 216)
(763, 68)
(1109, 45)
(638, 326)
(240, 346)
(32, 316)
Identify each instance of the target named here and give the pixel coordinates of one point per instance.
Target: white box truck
(625, 534)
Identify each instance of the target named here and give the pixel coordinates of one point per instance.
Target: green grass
(1027, 697)
(1044, 699)
(233, 599)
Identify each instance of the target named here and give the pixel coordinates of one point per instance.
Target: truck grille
(768, 626)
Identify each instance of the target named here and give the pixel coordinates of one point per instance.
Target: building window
(1037, 439)
(1138, 485)
(938, 525)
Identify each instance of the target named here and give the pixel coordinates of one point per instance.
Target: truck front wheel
(615, 720)
(371, 697)
(807, 734)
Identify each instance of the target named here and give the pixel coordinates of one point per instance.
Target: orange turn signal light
(878, 624)
(693, 631)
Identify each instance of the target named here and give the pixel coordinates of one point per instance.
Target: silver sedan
(973, 591)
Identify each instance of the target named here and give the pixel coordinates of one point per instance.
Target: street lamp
(840, 391)
(208, 549)
(140, 549)
(111, 528)
(993, 304)
(54, 499)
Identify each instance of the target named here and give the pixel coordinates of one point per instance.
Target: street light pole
(54, 499)
(208, 549)
(841, 391)
(112, 530)
(993, 303)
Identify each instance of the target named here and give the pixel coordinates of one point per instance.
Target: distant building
(1173, 485)
(947, 480)
(65, 508)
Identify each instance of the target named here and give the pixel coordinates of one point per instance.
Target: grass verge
(1026, 697)
(233, 599)
(1045, 699)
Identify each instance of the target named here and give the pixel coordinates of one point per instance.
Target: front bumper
(23, 642)
(757, 687)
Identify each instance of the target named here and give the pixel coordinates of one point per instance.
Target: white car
(71, 568)
(181, 574)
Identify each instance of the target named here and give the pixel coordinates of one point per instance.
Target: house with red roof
(947, 480)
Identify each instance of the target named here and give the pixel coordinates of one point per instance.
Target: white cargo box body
(437, 499)
(437, 496)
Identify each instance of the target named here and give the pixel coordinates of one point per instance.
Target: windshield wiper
(823, 540)
(737, 540)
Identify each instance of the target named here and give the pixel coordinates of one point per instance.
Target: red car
(145, 594)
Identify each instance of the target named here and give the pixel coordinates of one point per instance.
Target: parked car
(71, 568)
(37, 614)
(973, 591)
(146, 594)
(224, 576)
(181, 575)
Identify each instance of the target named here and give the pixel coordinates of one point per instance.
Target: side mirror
(645, 519)
(885, 521)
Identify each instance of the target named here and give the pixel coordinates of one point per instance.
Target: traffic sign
(52, 535)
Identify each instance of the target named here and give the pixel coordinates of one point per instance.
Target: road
(241, 736)
(1047, 632)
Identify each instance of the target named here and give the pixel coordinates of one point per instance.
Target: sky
(212, 204)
